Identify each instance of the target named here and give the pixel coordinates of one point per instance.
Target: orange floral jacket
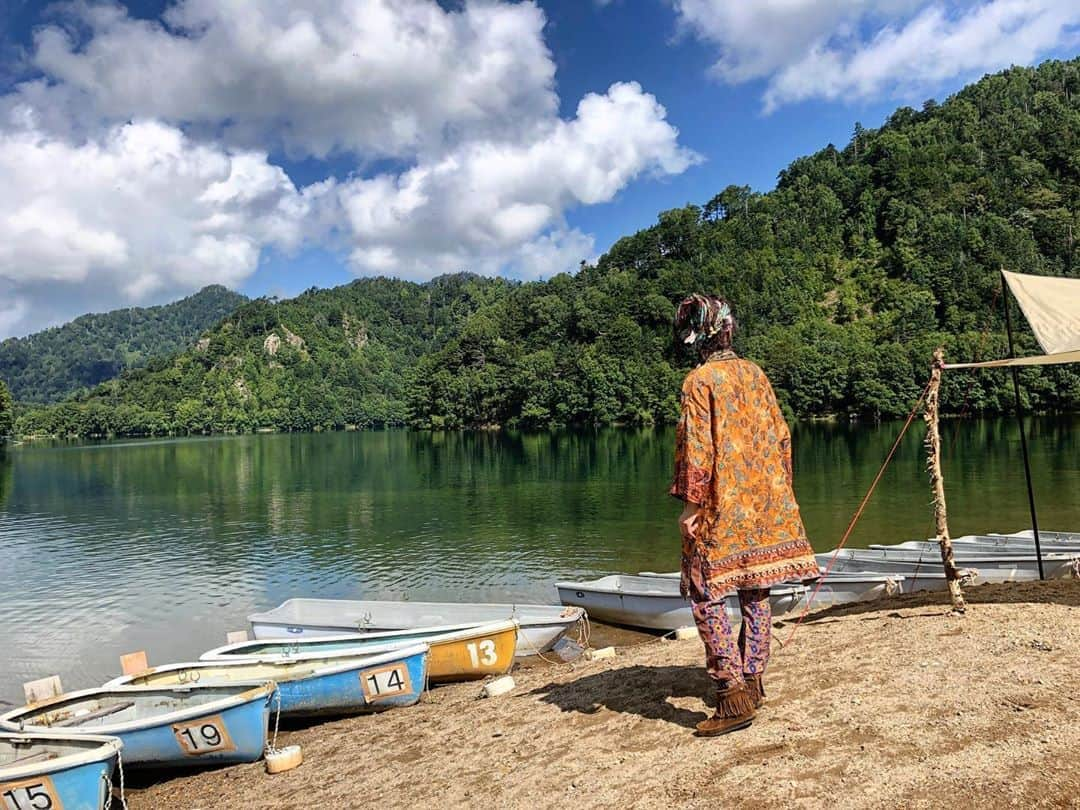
(733, 458)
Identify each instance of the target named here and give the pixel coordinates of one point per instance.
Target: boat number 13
(29, 795)
(482, 653)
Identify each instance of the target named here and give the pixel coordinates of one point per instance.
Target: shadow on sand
(640, 690)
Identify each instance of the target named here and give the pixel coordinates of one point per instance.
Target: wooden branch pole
(937, 480)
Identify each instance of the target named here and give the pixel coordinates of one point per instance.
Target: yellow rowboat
(457, 653)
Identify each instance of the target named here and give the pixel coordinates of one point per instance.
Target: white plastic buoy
(499, 686)
(684, 633)
(284, 760)
(603, 652)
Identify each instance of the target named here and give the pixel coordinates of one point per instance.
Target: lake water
(165, 545)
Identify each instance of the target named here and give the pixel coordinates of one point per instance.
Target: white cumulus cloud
(376, 77)
(492, 204)
(138, 157)
(858, 49)
(140, 210)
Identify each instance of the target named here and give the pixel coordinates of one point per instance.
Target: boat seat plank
(39, 756)
(94, 715)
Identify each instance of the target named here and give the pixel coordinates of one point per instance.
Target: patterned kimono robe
(733, 458)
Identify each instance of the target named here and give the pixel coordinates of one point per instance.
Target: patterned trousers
(727, 657)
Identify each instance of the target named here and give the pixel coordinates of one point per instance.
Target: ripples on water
(165, 545)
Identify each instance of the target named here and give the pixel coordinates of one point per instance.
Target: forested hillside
(7, 414)
(53, 364)
(843, 278)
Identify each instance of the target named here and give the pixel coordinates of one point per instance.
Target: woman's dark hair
(705, 323)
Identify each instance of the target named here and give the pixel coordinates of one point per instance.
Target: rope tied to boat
(271, 745)
(108, 784)
(858, 514)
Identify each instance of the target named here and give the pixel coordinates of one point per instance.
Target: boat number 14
(32, 794)
(482, 653)
(385, 682)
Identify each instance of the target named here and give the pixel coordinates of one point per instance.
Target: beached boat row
(652, 600)
(62, 751)
(321, 657)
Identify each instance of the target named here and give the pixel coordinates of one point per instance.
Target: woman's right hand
(688, 520)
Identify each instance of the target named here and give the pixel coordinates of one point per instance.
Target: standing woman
(741, 528)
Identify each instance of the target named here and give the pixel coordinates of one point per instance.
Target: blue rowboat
(178, 727)
(54, 771)
(310, 687)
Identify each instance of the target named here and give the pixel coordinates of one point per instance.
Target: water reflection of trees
(580, 498)
(6, 473)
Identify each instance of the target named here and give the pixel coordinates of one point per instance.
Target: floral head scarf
(705, 324)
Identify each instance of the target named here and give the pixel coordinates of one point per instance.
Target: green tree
(7, 412)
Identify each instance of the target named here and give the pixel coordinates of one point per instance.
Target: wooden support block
(684, 633)
(43, 689)
(236, 636)
(603, 652)
(133, 663)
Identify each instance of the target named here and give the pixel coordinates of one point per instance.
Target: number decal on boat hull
(203, 736)
(37, 793)
(386, 682)
(482, 653)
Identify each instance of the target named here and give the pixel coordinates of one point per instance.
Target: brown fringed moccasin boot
(757, 689)
(734, 711)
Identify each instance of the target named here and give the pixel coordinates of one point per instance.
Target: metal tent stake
(1020, 424)
(933, 447)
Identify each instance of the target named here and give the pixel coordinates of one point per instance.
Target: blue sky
(289, 143)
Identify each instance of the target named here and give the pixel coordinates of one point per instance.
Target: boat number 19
(482, 653)
(31, 794)
(203, 736)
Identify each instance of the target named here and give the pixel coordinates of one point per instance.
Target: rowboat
(985, 544)
(326, 686)
(539, 626)
(653, 602)
(182, 726)
(456, 655)
(838, 588)
(992, 566)
(56, 771)
(1072, 538)
(910, 579)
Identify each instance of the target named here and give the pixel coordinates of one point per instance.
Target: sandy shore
(893, 704)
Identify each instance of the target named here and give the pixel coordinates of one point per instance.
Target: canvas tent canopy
(1051, 305)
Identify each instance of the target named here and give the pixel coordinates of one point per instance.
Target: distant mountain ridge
(844, 279)
(55, 363)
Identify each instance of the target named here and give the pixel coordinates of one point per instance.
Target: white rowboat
(838, 588)
(653, 602)
(539, 626)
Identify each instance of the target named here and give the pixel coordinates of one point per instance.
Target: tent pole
(937, 480)
(1020, 424)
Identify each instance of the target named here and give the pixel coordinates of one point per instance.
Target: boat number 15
(482, 653)
(32, 794)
